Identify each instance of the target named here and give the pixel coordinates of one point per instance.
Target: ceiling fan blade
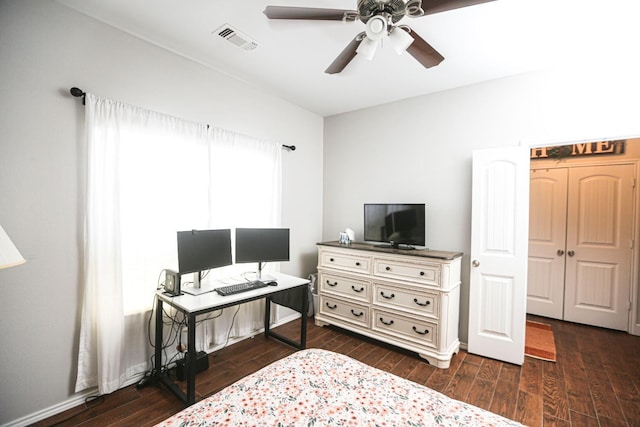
(291, 12)
(422, 51)
(346, 55)
(436, 6)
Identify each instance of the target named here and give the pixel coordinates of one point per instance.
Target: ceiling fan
(381, 18)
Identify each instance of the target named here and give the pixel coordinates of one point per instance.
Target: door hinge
(630, 305)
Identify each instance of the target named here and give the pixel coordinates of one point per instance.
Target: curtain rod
(79, 93)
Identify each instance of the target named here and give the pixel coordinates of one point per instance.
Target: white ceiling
(479, 43)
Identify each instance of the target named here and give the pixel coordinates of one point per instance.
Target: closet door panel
(547, 239)
(599, 239)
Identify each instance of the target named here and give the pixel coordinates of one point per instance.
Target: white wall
(45, 49)
(420, 149)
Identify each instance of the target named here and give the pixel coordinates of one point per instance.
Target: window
(150, 175)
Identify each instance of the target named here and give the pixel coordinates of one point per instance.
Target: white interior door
(599, 246)
(499, 243)
(547, 239)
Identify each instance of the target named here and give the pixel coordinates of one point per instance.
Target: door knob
(571, 253)
(560, 252)
(475, 263)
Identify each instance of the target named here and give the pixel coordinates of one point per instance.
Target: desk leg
(190, 364)
(267, 316)
(303, 321)
(157, 358)
(302, 344)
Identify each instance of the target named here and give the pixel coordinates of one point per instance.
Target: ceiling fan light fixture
(367, 48)
(381, 19)
(376, 28)
(400, 40)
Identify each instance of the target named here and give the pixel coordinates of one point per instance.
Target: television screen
(200, 250)
(262, 244)
(396, 224)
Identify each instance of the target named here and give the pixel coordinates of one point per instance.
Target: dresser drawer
(348, 311)
(426, 273)
(419, 302)
(349, 262)
(420, 332)
(344, 285)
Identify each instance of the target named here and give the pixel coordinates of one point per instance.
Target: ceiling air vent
(234, 36)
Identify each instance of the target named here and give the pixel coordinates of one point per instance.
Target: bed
(320, 388)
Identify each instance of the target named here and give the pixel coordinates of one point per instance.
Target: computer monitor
(202, 250)
(262, 245)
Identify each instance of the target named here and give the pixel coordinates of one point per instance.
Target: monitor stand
(264, 277)
(197, 288)
(258, 275)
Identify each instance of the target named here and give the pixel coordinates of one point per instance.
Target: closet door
(547, 239)
(599, 245)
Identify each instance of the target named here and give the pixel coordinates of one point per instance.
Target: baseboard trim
(75, 400)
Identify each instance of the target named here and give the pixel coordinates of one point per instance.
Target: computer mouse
(272, 283)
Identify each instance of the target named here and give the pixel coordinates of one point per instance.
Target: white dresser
(408, 298)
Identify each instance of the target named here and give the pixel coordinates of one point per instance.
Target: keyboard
(240, 287)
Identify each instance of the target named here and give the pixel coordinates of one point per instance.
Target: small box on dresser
(408, 298)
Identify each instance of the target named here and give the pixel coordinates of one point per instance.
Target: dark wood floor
(595, 382)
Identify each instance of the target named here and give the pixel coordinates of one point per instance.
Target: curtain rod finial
(77, 92)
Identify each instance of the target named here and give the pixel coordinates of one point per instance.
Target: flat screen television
(398, 225)
(262, 245)
(201, 250)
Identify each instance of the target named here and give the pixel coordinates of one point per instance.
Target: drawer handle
(388, 268)
(389, 323)
(357, 314)
(332, 308)
(331, 259)
(332, 284)
(422, 273)
(392, 296)
(357, 264)
(357, 290)
(421, 304)
(426, 331)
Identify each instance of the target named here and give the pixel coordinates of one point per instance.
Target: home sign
(578, 150)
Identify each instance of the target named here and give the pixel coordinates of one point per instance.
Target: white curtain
(150, 175)
(247, 173)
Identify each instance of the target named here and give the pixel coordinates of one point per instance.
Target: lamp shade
(367, 48)
(400, 40)
(9, 254)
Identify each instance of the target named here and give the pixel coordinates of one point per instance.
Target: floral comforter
(320, 388)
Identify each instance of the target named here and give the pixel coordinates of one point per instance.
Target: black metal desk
(192, 306)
